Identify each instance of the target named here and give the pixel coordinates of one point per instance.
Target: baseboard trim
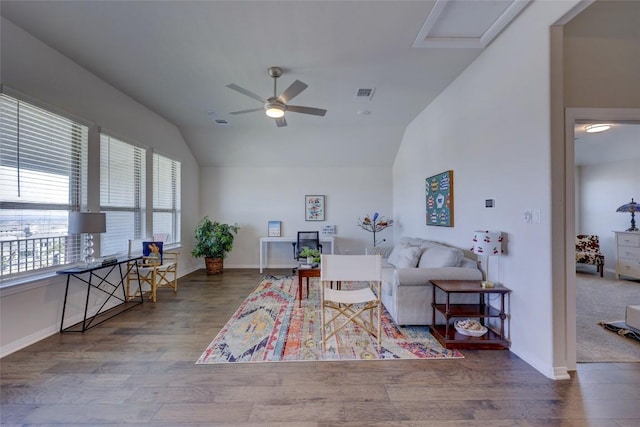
(29, 339)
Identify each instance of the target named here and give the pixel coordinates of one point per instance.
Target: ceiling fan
(276, 106)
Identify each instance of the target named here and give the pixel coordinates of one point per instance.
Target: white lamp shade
(487, 243)
(87, 222)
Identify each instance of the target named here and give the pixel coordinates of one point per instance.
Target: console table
(98, 279)
(447, 335)
(266, 241)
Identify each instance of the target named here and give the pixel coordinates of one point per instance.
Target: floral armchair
(588, 251)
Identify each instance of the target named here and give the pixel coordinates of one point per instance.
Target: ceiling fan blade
(306, 110)
(246, 92)
(281, 122)
(292, 91)
(247, 111)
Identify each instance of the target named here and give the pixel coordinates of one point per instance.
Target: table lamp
(487, 243)
(87, 223)
(633, 208)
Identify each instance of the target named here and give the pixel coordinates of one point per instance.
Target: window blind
(166, 197)
(43, 171)
(122, 193)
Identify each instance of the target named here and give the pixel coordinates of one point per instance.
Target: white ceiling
(176, 57)
(621, 142)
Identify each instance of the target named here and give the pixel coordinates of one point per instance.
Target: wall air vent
(364, 93)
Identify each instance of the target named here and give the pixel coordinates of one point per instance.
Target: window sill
(36, 280)
(27, 283)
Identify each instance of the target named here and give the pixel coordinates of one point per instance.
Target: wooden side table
(447, 335)
(306, 272)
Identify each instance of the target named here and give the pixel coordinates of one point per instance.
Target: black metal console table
(99, 277)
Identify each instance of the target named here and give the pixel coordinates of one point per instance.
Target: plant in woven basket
(213, 241)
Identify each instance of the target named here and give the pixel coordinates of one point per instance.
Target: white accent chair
(352, 304)
(151, 273)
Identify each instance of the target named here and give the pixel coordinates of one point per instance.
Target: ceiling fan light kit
(275, 106)
(275, 110)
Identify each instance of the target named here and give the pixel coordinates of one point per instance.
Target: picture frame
(274, 229)
(152, 252)
(314, 208)
(439, 199)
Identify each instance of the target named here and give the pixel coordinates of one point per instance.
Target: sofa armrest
(421, 276)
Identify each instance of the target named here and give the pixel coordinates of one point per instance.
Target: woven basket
(214, 265)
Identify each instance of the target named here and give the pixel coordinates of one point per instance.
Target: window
(122, 193)
(43, 162)
(166, 198)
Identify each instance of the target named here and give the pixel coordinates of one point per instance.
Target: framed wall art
(274, 228)
(314, 208)
(439, 196)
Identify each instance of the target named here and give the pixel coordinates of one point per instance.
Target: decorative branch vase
(374, 225)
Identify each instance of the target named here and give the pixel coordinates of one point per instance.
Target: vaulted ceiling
(176, 58)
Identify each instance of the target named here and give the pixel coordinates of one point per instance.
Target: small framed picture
(274, 229)
(314, 208)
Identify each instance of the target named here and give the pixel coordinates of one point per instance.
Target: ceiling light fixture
(275, 110)
(595, 128)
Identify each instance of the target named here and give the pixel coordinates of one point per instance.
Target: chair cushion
(592, 258)
(440, 256)
(404, 256)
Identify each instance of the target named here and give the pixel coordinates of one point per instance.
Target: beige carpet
(604, 299)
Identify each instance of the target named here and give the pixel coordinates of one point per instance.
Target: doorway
(579, 117)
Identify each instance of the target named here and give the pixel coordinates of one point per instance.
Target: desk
(266, 241)
(101, 275)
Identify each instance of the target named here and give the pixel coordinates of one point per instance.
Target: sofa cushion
(404, 256)
(440, 256)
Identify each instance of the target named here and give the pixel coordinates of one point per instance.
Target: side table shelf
(447, 335)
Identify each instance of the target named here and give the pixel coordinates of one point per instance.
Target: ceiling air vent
(364, 93)
(221, 122)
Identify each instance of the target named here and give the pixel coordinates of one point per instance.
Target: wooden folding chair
(152, 272)
(351, 305)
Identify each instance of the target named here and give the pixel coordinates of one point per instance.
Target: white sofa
(408, 268)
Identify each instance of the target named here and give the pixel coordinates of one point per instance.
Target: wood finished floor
(138, 368)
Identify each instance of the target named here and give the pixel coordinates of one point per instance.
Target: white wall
(32, 311)
(492, 127)
(253, 196)
(603, 188)
(602, 56)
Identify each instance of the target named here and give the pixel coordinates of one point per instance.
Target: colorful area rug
(270, 327)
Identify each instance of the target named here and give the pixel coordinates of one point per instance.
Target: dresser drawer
(629, 253)
(628, 267)
(629, 239)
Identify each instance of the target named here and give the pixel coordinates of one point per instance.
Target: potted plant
(305, 252)
(213, 241)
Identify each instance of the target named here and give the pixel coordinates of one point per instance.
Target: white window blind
(166, 198)
(43, 170)
(122, 193)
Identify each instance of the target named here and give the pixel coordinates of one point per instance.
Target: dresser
(627, 254)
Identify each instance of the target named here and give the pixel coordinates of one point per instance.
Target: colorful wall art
(314, 208)
(439, 195)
